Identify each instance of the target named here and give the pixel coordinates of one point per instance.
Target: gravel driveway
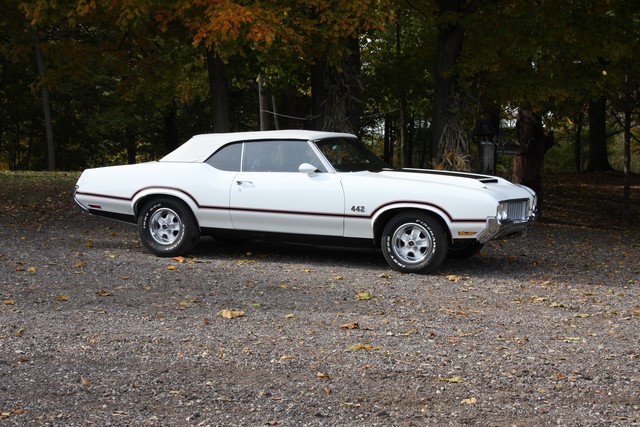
(95, 331)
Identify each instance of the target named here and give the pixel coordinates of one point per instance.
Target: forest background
(96, 82)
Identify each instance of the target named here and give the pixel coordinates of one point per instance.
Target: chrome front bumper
(507, 229)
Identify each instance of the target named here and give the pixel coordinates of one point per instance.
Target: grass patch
(33, 187)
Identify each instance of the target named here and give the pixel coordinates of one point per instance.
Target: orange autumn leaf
(230, 314)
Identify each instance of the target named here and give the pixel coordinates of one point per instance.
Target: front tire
(414, 242)
(167, 227)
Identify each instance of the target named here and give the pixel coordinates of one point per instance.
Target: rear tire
(414, 242)
(167, 227)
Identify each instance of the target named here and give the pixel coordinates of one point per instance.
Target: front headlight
(534, 206)
(503, 212)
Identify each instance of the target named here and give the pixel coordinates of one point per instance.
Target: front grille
(517, 210)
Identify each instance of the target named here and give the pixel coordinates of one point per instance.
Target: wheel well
(384, 218)
(144, 200)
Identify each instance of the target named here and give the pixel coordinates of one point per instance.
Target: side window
(278, 156)
(227, 158)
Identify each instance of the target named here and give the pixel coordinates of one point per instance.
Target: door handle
(243, 182)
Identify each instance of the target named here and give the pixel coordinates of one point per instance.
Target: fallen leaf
(62, 298)
(230, 314)
(290, 316)
(31, 269)
(367, 347)
(89, 244)
(363, 296)
(351, 404)
(453, 380)
(172, 267)
(179, 259)
(187, 303)
(455, 278)
(9, 302)
(80, 264)
(352, 325)
(559, 304)
(103, 293)
(469, 401)
(323, 376)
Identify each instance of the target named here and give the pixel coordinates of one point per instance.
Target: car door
(270, 194)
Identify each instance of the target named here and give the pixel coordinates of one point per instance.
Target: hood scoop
(482, 178)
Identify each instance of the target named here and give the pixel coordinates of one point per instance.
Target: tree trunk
(170, 121)
(405, 144)
(131, 147)
(628, 89)
(354, 84)
(263, 103)
(46, 106)
(448, 48)
(598, 157)
(577, 140)
(318, 95)
(527, 164)
(218, 92)
(387, 155)
(276, 117)
(335, 91)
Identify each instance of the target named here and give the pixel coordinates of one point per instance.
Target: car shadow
(294, 253)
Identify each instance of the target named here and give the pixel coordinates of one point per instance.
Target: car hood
(462, 179)
(448, 181)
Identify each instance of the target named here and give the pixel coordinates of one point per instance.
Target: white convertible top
(200, 147)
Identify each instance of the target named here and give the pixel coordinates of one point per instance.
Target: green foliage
(121, 74)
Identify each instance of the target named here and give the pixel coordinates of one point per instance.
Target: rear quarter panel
(121, 189)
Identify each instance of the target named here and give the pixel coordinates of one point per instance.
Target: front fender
(393, 208)
(359, 227)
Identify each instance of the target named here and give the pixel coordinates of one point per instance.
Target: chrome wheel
(412, 243)
(165, 226)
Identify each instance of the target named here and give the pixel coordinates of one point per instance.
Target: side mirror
(307, 168)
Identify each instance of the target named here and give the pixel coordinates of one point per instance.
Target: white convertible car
(320, 187)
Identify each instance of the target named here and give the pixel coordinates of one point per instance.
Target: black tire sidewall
(438, 236)
(188, 229)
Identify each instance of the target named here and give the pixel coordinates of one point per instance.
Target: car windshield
(349, 155)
